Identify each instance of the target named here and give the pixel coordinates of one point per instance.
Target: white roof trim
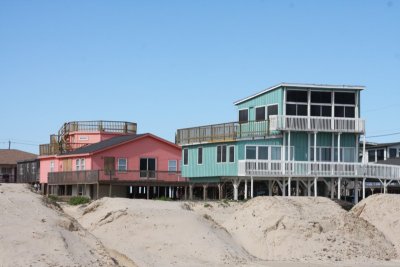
(303, 85)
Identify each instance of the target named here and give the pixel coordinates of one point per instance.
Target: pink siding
(90, 137)
(144, 147)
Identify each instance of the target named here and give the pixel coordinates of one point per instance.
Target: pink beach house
(108, 158)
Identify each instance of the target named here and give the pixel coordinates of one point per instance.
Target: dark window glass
(345, 98)
(221, 153)
(392, 152)
(263, 152)
(200, 155)
(231, 154)
(296, 96)
(371, 155)
(321, 97)
(260, 114)
(185, 156)
(349, 112)
(379, 154)
(339, 111)
(251, 152)
(326, 111)
(315, 110)
(243, 115)
(272, 110)
(301, 110)
(291, 109)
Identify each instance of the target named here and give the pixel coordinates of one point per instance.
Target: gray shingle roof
(11, 156)
(104, 144)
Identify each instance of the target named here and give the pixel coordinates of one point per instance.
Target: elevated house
(8, 163)
(377, 152)
(108, 158)
(28, 171)
(289, 139)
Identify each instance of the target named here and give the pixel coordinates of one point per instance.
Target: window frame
(185, 157)
(255, 113)
(169, 165)
(277, 110)
(200, 162)
(221, 158)
(126, 165)
(229, 152)
(242, 109)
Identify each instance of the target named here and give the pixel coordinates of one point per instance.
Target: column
(338, 148)
(363, 188)
(251, 187)
(235, 189)
(205, 192)
(297, 187)
(355, 191)
(245, 188)
(147, 192)
(338, 187)
(270, 188)
(315, 186)
(289, 187)
(191, 192)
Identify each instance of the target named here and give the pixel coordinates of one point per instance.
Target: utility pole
(9, 144)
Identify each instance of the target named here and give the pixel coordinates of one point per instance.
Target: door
(148, 167)
(67, 165)
(109, 165)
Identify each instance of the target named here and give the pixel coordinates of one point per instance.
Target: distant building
(8, 163)
(382, 151)
(108, 158)
(28, 171)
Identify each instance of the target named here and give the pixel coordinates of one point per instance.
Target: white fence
(320, 124)
(266, 168)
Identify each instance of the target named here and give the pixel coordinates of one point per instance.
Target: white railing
(320, 124)
(266, 168)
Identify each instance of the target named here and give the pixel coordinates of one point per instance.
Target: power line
(383, 135)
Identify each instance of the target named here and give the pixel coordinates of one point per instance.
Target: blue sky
(175, 64)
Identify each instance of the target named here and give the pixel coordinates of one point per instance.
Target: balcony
(55, 148)
(224, 132)
(73, 177)
(265, 168)
(92, 177)
(317, 124)
(98, 126)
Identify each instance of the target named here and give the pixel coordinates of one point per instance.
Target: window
(200, 155)
(392, 152)
(380, 154)
(251, 152)
(347, 154)
(276, 153)
(321, 111)
(296, 96)
(323, 154)
(260, 114)
(345, 98)
(52, 166)
(321, 97)
(221, 153)
(345, 104)
(80, 164)
(272, 110)
(122, 165)
(371, 155)
(243, 116)
(296, 109)
(231, 154)
(185, 156)
(262, 152)
(172, 167)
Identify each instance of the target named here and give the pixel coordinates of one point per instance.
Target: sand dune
(32, 234)
(266, 231)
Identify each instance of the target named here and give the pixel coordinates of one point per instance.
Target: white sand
(292, 232)
(382, 211)
(300, 229)
(32, 234)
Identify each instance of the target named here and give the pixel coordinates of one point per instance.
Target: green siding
(210, 167)
(272, 97)
(267, 142)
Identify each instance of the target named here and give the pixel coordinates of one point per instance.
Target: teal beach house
(290, 140)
